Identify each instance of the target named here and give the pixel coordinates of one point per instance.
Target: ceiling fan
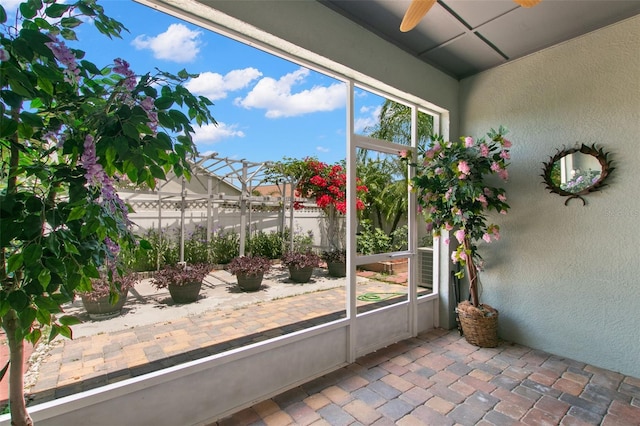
(419, 8)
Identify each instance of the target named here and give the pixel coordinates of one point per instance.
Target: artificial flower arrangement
(454, 194)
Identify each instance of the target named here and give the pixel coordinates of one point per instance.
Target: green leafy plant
(180, 274)
(249, 265)
(196, 248)
(140, 258)
(372, 241)
(455, 193)
(266, 244)
(67, 129)
(224, 246)
(302, 241)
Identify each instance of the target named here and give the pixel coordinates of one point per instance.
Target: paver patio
(436, 378)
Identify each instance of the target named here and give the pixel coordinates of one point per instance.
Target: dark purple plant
(101, 288)
(298, 259)
(335, 256)
(249, 265)
(180, 274)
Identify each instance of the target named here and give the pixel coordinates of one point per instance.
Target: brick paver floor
(439, 379)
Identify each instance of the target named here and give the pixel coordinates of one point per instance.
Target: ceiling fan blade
(527, 3)
(417, 9)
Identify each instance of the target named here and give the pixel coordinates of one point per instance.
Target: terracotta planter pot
(300, 275)
(337, 269)
(249, 282)
(187, 293)
(101, 309)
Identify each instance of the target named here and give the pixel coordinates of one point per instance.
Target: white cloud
(177, 44)
(277, 98)
(210, 133)
(216, 86)
(10, 6)
(370, 118)
(322, 149)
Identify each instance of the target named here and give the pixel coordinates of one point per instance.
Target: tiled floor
(440, 379)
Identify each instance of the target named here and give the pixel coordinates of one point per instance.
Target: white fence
(266, 214)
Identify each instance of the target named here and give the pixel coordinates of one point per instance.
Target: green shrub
(372, 241)
(264, 244)
(223, 247)
(196, 248)
(139, 259)
(399, 238)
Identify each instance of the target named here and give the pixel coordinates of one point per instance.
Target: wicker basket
(479, 325)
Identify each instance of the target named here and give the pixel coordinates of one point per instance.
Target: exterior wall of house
(565, 278)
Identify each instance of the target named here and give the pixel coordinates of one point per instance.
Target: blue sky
(266, 107)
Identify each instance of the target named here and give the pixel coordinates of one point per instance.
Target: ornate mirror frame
(598, 153)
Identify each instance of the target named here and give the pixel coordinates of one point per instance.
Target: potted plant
(104, 300)
(183, 281)
(336, 260)
(455, 195)
(249, 271)
(300, 264)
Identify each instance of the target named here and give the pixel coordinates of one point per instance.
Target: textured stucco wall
(567, 279)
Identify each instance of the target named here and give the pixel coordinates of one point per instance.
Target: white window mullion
(412, 276)
(351, 225)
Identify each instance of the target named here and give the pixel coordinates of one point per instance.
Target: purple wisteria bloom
(147, 105)
(122, 68)
(66, 57)
(97, 178)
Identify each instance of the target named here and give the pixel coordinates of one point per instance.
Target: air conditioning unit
(425, 266)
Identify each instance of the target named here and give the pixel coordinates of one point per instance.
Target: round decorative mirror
(576, 172)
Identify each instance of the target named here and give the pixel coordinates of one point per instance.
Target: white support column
(412, 242)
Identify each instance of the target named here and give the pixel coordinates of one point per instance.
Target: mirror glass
(576, 172)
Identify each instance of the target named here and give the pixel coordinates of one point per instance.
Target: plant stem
(472, 274)
(19, 414)
(10, 321)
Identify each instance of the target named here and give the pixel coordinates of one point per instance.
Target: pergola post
(209, 208)
(292, 192)
(243, 208)
(159, 231)
(183, 196)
